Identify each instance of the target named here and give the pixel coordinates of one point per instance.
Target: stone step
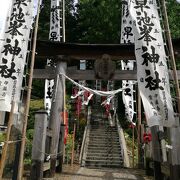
(103, 120)
(103, 150)
(113, 158)
(103, 135)
(101, 126)
(103, 132)
(105, 154)
(95, 163)
(106, 141)
(105, 145)
(105, 161)
(116, 158)
(103, 139)
(100, 143)
(103, 129)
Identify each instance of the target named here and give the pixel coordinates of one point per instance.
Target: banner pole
(5, 147)
(72, 151)
(171, 51)
(26, 111)
(133, 146)
(173, 133)
(139, 129)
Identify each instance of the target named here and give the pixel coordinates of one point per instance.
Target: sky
(4, 8)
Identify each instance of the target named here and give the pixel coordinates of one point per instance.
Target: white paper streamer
(78, 94)
(97, 92)
(88, 99)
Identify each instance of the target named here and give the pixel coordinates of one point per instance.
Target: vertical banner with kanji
(55, 34)
(127, 37)
(13, 48)
(152, 71)
(5, 12)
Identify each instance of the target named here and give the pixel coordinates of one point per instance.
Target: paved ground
(81, 173)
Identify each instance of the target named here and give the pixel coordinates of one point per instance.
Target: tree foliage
(98, 21)
(173, 9)
(44, 21)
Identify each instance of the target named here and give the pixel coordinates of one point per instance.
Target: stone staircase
(103, 147)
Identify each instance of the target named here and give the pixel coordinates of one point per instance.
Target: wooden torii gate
(71, 52)
(63, 53)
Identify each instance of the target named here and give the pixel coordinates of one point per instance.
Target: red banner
(78, 105)
(64, 115)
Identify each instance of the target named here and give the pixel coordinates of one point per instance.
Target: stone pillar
(38, 149)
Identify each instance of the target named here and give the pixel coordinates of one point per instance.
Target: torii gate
(73, 52)
(62, 53)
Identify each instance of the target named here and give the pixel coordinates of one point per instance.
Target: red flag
(78, 105)
(64, 115)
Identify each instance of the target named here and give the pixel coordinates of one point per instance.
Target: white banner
(5, 11)
(13, 48)
(127, 37)
(152, 71)
(55, 34)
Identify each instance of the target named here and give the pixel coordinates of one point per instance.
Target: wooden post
(5, 147)
(2, 117)
(139, 131)
(56, 112)
(157, 171)
(72, 153)
(16, 160)
(26, 112)
(156, 152)
(133, 146)
(63, 146)
(39, 140)
(60, 155)
(174, 133)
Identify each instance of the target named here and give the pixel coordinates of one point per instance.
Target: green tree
(173, 9)
(98, 21)
(71, 22)
(44, 21)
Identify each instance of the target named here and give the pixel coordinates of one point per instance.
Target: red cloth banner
(64, 115)
(78, 105)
